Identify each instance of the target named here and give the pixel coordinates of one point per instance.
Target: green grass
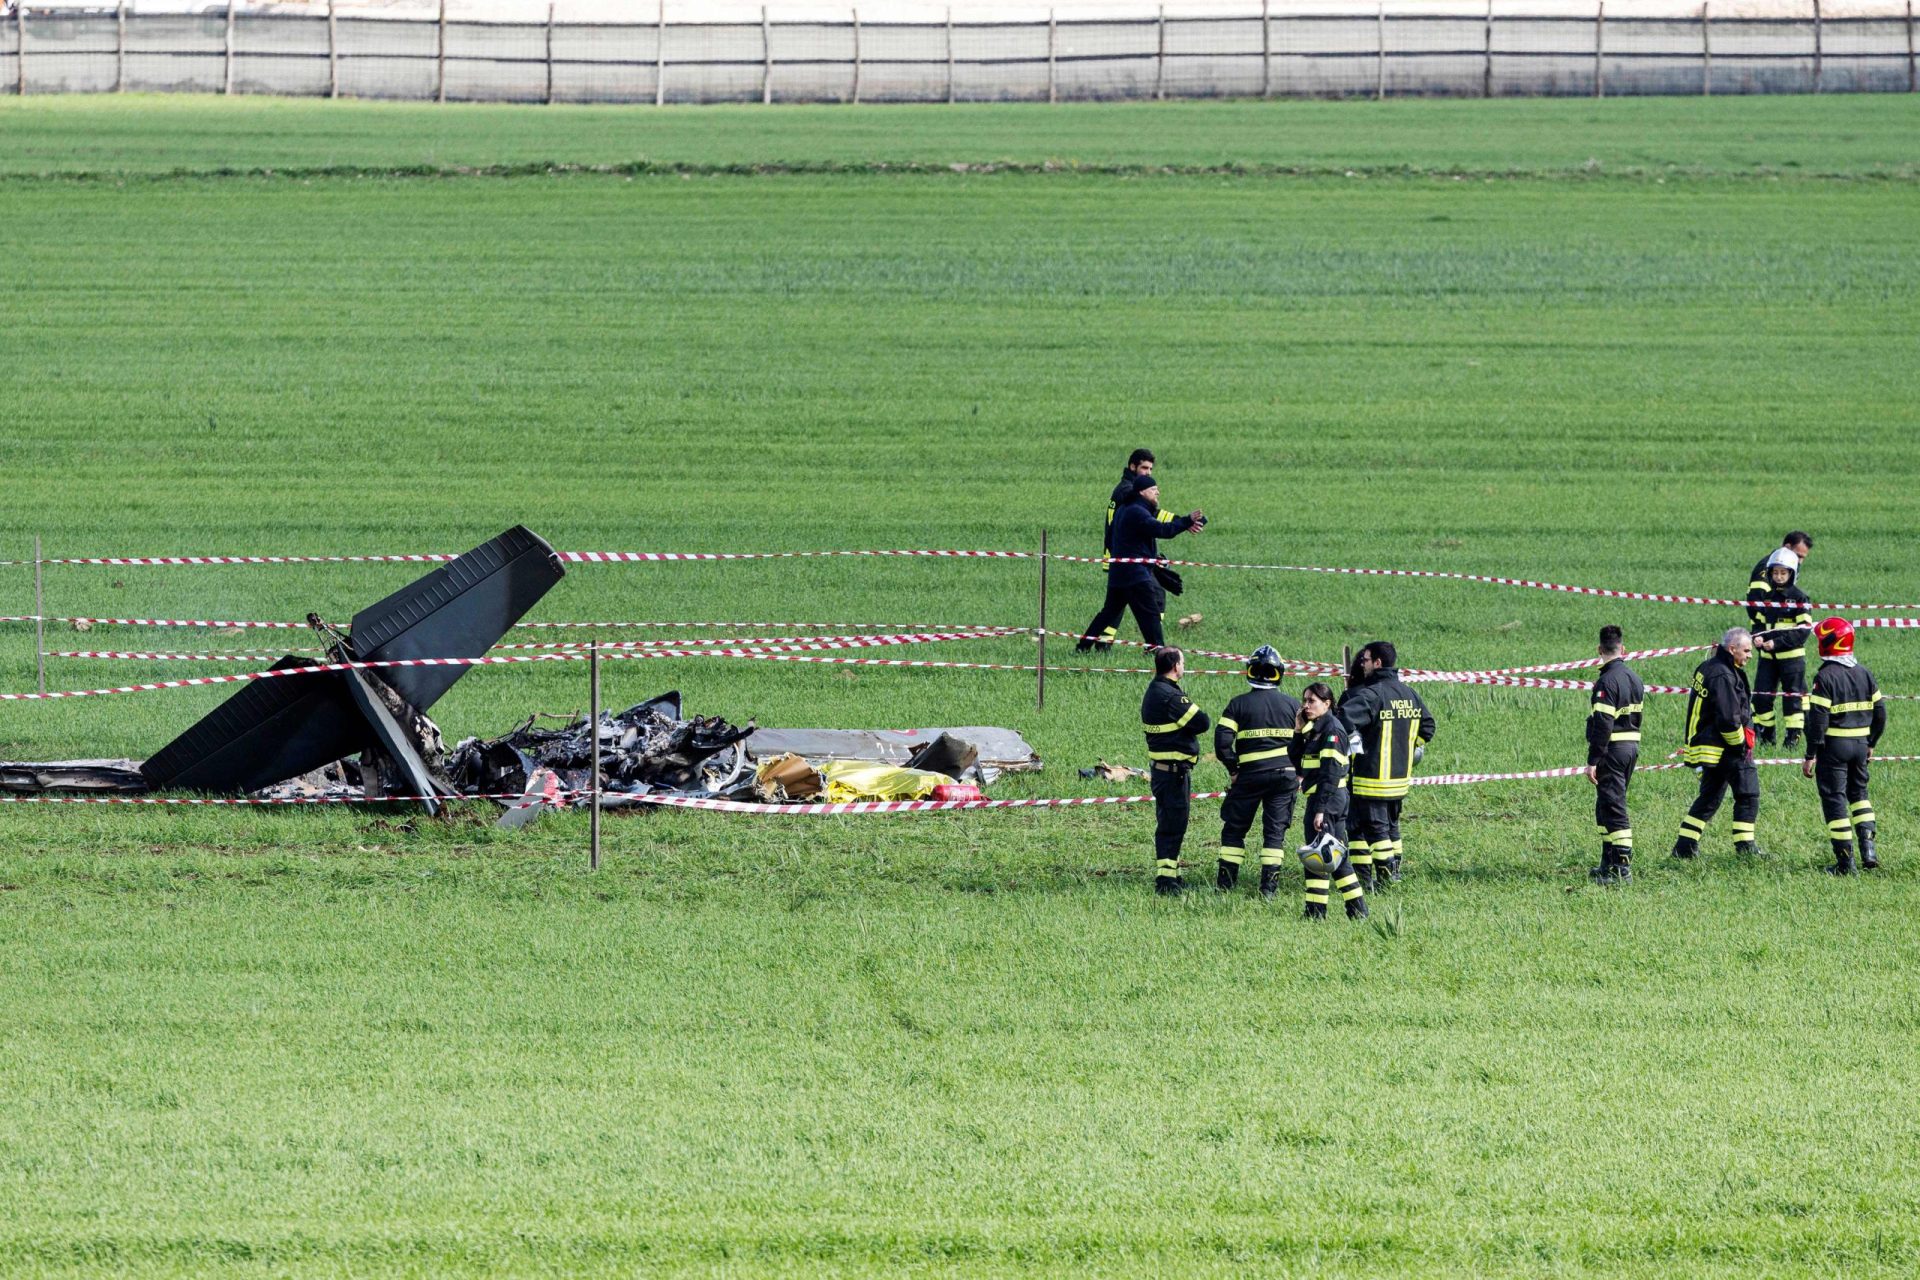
(343, 1043)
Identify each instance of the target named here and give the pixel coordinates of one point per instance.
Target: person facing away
(1173, 725)
(1251, 739)
(1846, 715)
(1613, 749)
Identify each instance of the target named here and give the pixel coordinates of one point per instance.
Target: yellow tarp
(865, 780)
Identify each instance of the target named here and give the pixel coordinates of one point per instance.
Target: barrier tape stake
(120, 47)
(766, 53)
(856, 57)
(333, 53)
(1486, 68)
(1040, 665)
(20, 49)
(1380, 81)
(39, 618)
(593, 787)
(1706, 50)
(949, 55)
(226, 87)
(1600, 50)
(1266, 48)
(548, 101)
(1819, 42)
(440, 56)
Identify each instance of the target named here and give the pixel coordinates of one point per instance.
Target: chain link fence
(1262, 51)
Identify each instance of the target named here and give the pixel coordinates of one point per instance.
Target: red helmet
(1835, 636)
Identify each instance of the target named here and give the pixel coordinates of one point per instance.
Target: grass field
(340, 1043)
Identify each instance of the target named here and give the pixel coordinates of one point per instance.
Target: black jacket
(1719, 711)
(1618, 699)
(1135, 535)
(1172, 721)
(1387, 720)
(1122, 495)
(1320, 753)
(1846, 702)
(1786, 620)
(1254, 733)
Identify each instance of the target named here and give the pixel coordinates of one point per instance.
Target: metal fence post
(39, 618)
(1266, 48)
(549, 94)
(766, 55)
(440, 56)
(1380, 78)
(949, 55)
(1160, 61)
(20, 49)
(1818, 45)
(1486, 68)
(1913, 65)
(593, 784)
(227, 87)
(1600, 50)
(333, 54)
(856, 57)
(1053, 81)
(1706, 50)
(1040, 663)
(120, 48)
(660, 58)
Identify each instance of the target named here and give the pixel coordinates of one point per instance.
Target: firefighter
(1719, 746)
(1613, 747)
(1388, 724)
(1173, 725)
(1780, 620)
(1135, 535)
(1319, 752)
(1799, 542)
(1251, 738)
(1845, 717)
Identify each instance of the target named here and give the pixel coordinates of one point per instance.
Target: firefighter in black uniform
(1845, 717)
(1319, 754)
(1173, 726)
(1719, 745)
(1135, 535)
(1388, 724)
(1613, 748)
(1251, 739)
(1781, 621)
(1799, 542)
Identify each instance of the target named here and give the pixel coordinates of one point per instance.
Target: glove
(1750, 738)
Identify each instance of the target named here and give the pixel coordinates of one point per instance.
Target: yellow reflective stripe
(1166, 517)
(1193, 709)
(1330, 754)
(1247, 757)
(1167, 864)
(1386, 750)
(1820, 700)
(1879, 696)
(1228, 722)
(1861, 732)
(1266, 733)
(1232, 853)
(1704, 753)
(1376, 789)
(1633, 708)
(1842, 708)
(1606, 709)
(1734, 737)
(1624, 735)
(1188, 756)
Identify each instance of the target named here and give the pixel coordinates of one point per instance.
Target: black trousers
(1774, 680)
(1272, 793)
(1610, 797)
(1146, 598)
(1840, 772)
(1733, 773)
(1376, 829)
(1172, 805)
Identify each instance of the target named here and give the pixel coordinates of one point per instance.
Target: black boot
(1685, 848)
(1228, 876)
(1388, 869)
(1623, 866)
(1842, 858)
(1168, 886)
(1269, 881)
(1869, 859)
(1763, 737)
(1356, 908)
(1365, 871)
(1792, 739)
(1748, 849)
(1315, 911)
(1603, 874)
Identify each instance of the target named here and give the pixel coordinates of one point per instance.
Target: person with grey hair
(1719, 746)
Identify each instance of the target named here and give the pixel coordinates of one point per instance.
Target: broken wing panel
(460, 610)
(269, 731)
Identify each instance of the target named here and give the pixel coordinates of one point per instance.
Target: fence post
(1053, 86)
(593, 784)
(20, 48)
(120, 48)
(1160, 61)
(856, 57)
(1040, 663)
(1486, 68)
(1380, 78)
(660, 59)
(39, 616)
(549, 94)
(440, 57)
(1819, 42)
(1266, 48)
(227, 87)
(1706, 50)
(766, 55)
(1913, 66)
(1600, 50)
(949, 55)
(333, 54)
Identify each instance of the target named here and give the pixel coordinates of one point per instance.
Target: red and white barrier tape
(768, 644)
(194, 801)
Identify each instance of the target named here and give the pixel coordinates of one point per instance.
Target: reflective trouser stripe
(1840, 829)
(1742, 829)
(1692, 828)
(1167, 866)
(1272, 857)
(1349, 886)
(1229, 853)
(1361, 852)
(1623, 837)
(1317, 891)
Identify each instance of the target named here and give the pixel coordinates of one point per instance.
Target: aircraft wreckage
(297, 737)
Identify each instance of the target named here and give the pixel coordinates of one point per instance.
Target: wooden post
(856, 57)
(1040, 663)
(766, 55)
(1266, 48)
(20, 48)
(1706, 50)
(120, 48)
(949, 55)
(1819, 43)
(1486, 69)
(549, 94)
(440, 57)
(227, 87)
(1380, 79)
(1053, 80)
(333, 54)
(593, 785)
(1600, 50)
(1160, 61)
(1913, 66)
(39, 617)
(660, 58)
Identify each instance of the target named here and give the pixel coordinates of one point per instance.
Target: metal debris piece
(1112, 772)
(118, 777)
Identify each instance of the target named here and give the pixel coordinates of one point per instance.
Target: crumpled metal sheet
(116, 777)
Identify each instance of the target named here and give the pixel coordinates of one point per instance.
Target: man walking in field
(1613, 748)
(1719, 746)
(1137, 529)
